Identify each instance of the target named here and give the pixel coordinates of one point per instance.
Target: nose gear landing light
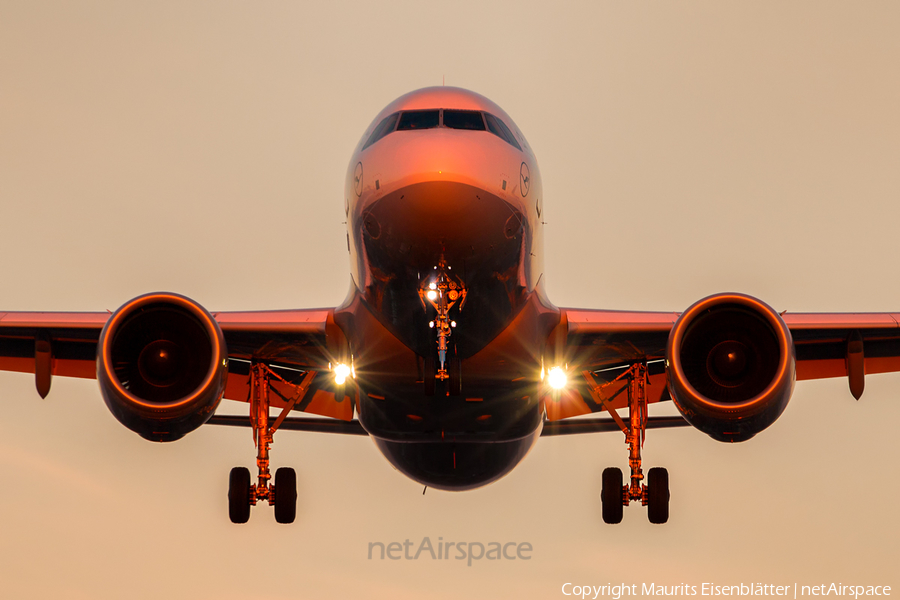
(443, 290)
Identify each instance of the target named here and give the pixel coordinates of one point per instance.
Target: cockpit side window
(463, 119)
(385, 127)
(419, 119)
(499, 128)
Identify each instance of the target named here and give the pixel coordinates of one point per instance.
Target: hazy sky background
(686, 148)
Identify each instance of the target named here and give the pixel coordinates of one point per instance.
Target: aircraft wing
(606, 343)
(296, 342)
(291, 342)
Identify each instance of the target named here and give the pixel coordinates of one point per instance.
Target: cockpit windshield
(419, 119)
(470, 120)
(463, 119)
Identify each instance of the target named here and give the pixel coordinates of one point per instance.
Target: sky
(686, 148)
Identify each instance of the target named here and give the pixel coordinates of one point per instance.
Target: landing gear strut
(443, 290)
(614, 495)
(282, 493)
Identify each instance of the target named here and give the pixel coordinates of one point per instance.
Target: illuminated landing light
(431, 294)
(557, 378)
(341, 372)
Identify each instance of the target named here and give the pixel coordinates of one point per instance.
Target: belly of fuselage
(444, 441)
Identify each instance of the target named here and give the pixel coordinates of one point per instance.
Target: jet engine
(162, 365)
(731, 366)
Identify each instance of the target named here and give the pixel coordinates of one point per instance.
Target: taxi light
(431, 294)
(557, 378)
(341, 372)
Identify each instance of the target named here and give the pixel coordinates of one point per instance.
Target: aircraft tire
(429, 373)
(658, 495)
(285, 495)
(455, 372)
(239, 495)
(611, 495)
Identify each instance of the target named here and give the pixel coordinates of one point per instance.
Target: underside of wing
(844, 344)
(47, 343)
(597, 347)
(293, 343)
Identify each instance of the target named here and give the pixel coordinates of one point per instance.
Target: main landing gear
(614, 496)
(443, 291)
(282, 493)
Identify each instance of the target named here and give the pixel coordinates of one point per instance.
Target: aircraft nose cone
(418, 223)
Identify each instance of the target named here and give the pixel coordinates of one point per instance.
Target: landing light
(341, 372)
(431, 294)
(557, 378)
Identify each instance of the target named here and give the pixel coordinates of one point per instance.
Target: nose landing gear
(282, 493)
(443, 290)
(614, 495)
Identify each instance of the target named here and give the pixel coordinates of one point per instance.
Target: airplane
(447, 351)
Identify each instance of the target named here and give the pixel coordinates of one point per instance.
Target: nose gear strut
(443, 290)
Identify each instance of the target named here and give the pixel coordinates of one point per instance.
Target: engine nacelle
(162, 365)
(731, 366)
